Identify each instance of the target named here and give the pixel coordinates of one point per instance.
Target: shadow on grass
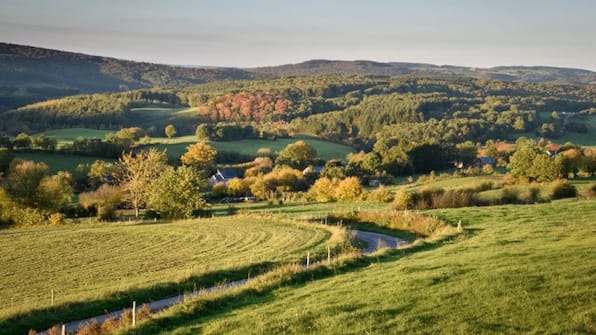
(196, 312)
(45, 318)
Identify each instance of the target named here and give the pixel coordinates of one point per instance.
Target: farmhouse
(223, 176)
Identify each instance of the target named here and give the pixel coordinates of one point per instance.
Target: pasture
(59, 161)
(92, 268)
(516, 269)
(326, 150)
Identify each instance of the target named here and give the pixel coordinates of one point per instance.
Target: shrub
(509, 195)
(453, 199)
(55, 330)
(590, 192)
(403, 199)
(126, 318)
(109, 325)
(488, 169)
(531, 194)
(562, 189)
(144, 313)
(381, 194)
(322, 190)
(349, 189)
(91, 328)
(56, 218)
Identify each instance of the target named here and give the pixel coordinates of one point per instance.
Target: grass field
(325, 150)
(517, 269)
(69, 134)
(58, 161)
(150, 116)
(92, 268)
(585, 139)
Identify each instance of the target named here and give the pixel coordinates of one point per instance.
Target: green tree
(22, 141)
(298, 155)
(203, 132)
(170, 130)
(43, 142)
(137, 173)
(101, 172)
(178, 192)
(530, 162)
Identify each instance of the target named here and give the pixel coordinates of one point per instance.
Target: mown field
(92, 268)
(516, 269)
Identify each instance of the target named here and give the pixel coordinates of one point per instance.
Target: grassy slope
(87, 263)
(150, 116)
(520, 269)
(69, 134)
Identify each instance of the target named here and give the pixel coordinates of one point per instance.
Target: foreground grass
(520, 269)
(97, 267)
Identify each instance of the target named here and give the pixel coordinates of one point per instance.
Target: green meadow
(515, 269)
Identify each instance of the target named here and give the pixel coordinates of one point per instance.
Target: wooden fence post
(52, 297)
(307, 259)
(328, 255)
(134, 313)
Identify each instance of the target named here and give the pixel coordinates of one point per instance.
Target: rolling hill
(532, 74)
(30, 74)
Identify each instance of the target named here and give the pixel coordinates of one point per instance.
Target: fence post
(63, 332)
(134, 313)
(52, 297)
(328, 255)
(307, 259)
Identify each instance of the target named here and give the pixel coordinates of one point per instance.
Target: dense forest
(343, 108)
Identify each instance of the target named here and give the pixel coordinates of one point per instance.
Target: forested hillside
(532, 74)
(31, 74)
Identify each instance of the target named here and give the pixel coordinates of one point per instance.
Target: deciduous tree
(137, 172)
(298, 155)
(200, 155)
(178, 192)
(170, 130)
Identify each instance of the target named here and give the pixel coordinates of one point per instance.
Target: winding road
(374, 242)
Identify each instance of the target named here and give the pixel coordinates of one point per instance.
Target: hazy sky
(480, 33)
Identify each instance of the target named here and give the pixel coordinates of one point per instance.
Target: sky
(475, 33)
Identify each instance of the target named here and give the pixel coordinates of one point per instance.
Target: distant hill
(533, 74)
(30, 74)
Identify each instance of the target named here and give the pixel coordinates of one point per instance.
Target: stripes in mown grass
(94, 262)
